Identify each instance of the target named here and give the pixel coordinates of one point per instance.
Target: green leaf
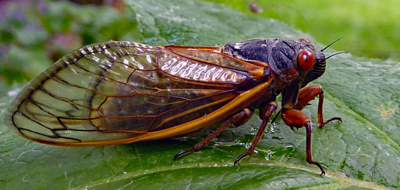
(16, 67)
(362, 152)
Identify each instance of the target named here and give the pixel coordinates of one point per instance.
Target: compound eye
(305, 40)
(306, 59)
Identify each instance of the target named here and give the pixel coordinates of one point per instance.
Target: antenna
(336, 54)
(331, 44)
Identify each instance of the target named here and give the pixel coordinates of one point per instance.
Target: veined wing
(121, 90)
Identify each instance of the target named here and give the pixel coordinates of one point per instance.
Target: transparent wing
(119, 90)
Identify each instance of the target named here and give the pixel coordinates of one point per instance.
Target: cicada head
(311, 62)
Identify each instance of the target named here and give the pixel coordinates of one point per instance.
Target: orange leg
(265, 115)
(298, 119)
(238, 119)
(309, 93)
(295, 118)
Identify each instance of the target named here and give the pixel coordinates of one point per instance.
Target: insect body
(124, 92)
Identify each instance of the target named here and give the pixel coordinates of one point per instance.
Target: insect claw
(176, 156)
(331, 119)
(292, 128)
(240, 158)
(320, 167)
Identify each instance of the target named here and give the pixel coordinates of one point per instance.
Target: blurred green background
(369, 28)
(34, 34)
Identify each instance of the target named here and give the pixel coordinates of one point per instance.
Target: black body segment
(280, 54)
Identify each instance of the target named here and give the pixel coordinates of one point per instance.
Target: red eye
(306, 59)
(305, 40)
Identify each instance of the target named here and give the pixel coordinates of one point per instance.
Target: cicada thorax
(282, 57)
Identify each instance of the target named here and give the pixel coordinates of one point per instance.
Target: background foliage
(368, 27)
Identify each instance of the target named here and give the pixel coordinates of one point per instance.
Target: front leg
(309, 93)
(292, 102)
(298, 119)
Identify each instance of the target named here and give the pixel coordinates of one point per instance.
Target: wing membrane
(119, 90)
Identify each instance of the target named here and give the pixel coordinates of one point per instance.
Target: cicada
(120, 92)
